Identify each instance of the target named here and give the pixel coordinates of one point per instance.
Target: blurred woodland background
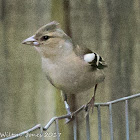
(109, 27)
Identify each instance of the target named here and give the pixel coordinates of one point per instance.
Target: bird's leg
(90, 104)
(66, 106)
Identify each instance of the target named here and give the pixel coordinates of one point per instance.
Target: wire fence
(55, 120)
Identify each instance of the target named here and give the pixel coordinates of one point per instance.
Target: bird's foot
(68, 113)
(69, 119)
(90, 105)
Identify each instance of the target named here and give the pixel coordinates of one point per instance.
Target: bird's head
(50, 40)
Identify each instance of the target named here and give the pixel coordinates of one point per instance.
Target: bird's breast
(71, 75)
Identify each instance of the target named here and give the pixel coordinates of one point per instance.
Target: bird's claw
(70, 118)
(89, 105)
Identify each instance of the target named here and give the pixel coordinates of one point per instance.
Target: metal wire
(74, 114)
(99, 123)
(111, 121)
(75, 128)
(126, 120)
(57, 129)
(87, 127)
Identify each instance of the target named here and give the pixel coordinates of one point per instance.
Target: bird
(68, 67)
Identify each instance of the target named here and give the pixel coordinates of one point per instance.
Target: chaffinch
(68, 67)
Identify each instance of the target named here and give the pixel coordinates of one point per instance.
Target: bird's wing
(94, 59)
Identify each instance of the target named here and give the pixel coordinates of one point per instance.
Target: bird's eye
(45, 37)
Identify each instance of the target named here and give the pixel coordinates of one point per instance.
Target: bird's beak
(31, 41)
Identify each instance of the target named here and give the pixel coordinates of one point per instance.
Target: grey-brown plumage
(70, 68)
